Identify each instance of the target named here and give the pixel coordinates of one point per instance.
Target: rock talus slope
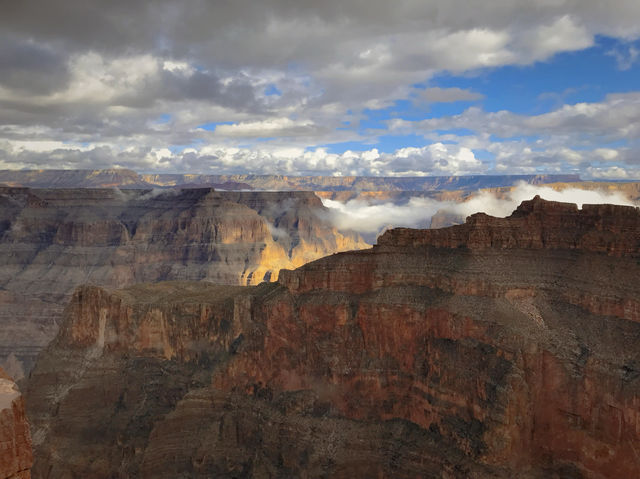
(15, 441)
(498, 348)
(53, 240)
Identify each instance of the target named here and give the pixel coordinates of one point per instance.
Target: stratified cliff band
(498, 348)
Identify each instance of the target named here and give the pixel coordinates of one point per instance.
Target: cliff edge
(535, 224)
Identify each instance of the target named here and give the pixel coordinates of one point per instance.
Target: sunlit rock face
(16, 456)
(499, 348)
(53, 240)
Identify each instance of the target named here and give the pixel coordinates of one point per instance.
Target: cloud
(371, 218)
(31, 68)
(434, 159)
(494, 206)
(448, 95)
(564, 33)
(625, 59)
(266, 128)
(613, 173)
(105, 81)
(582, 137)
(616, 117)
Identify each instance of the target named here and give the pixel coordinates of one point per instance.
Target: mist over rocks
(537, 224)
(370, 216)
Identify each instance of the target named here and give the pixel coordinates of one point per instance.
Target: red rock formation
(512, 356)
(15, 442)
(536, 224)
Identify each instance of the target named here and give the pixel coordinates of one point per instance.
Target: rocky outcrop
(53, 240)
(508, 358)
(15, 441)
(536, 224)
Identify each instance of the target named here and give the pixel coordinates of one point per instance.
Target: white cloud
(266, 128)
(625, 59)
(95, 79)
(370, 218)
(616, 117)
(572, 138)
(561, 35)
(367, 218)
(474, 48)
(613, 173)
(434, 159)
(178, 67)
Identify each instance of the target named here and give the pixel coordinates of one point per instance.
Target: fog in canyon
(369, 216)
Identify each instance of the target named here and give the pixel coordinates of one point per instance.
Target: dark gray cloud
(30, 67)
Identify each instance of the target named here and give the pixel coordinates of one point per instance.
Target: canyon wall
(363, 183)
(16, 456)
(52, 240)
(494, 349)
(124, 178)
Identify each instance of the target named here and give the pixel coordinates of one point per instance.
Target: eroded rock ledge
(536, 224)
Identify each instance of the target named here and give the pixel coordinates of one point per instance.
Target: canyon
(52, 240)
(502, 347)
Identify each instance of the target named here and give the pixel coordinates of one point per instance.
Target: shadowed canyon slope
(52, 240)
(497, 348)
(15, 441)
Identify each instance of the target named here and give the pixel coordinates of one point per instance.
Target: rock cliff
(15, 441)
(536, 224)
(52, 240)
(514, 354)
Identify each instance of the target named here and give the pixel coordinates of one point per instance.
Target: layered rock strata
(536, 224)
(124, 178)
(53, 240)
(15, 441)
(506, 356)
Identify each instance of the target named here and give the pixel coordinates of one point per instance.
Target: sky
(331, 87)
